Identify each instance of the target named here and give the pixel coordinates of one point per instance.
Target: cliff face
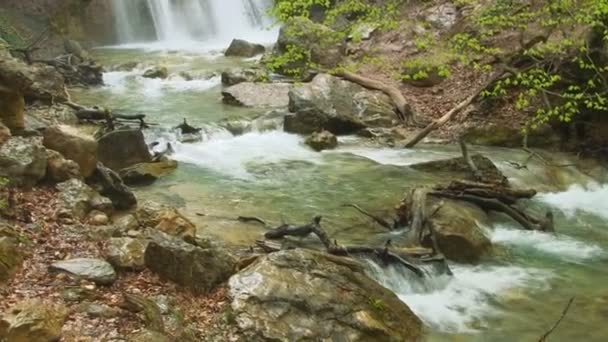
(88, 21)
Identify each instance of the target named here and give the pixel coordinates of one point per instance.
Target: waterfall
(189, 20)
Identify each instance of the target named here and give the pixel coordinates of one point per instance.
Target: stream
(516, 295)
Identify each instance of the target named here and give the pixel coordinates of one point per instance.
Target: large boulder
(258, 95)
(147, 173)
(23, 161)
(197, 268)
(236, 76)
(339, 106)
(10, 257)
(459, 228)
(320, 141)
(243, 48)
(59, 169)
(96, 270)
(37, 81)
(325, 46)
(123, 148)
(33, 320)
(80, 199)
(73, 145)
(165, 219)
(300, 295)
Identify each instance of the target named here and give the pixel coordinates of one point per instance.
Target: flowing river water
(515, 295)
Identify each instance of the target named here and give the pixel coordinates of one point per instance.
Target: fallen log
(332, 247)
(404, 110)
(477, 175)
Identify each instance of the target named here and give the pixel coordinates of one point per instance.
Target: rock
(95, 310)
(243, 48)
(23, 161)
(326, 49)
(10, 258)
(80, 199)
(126, 223)
(199, 269)
(127, 66)
(96, 270)
(236, 76)
(505, 136)
(459, 234)
(148, 214)
(98, 218)
(127, 253)
(151, 311)
(443, 16)
(33, 320)
(36, 81)
(362, 31)
(300, 295)
(123, 148)
(457, 168)
(157, 72)
(172, 222)
(59, 169)
(322, 141)
(257, 95)
(73, 47)
(73, 145)
(110, 185)
(339, 106)
(5, 134)
(149, 336)
(12, 108)
(147, 173)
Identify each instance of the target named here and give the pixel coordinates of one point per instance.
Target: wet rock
(147, 173)
(127, 253)
(23, 161)
(236, 76)
(10, 258)
(199, 269)
(300, 295)
(59, 169)
(243, 48)
(325, 49)
(148, 213)
(73, 145)
(443, 16)
(457, 168)
(339, 106)
(174, 223)
(80, 199)
(459, 232)
(33, 320)
(320, 141)
(98, 218)
(123, 148)
(157, 72)
(96, 270)
(257, 95)
(5, 134)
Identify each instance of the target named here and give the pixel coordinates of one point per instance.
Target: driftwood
(404, 110)
(185, 128)
(384, 223)
(556, 324)
(332, 247)
(477, 175)
(101, 114)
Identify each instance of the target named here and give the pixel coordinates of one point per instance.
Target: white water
(559, 246)
(183, 25)
(592, 198)
(460, 303)
(233, 155)
(119, 81)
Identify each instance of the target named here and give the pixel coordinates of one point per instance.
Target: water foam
(592, 198)
(231, 155)
(460, 303)
(118, 81)
(561, 246)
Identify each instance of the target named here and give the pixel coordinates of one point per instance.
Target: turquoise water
(514, 296)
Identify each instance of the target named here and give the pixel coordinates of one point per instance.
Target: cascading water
(186, 21)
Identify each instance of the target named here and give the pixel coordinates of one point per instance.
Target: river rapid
(516, 295)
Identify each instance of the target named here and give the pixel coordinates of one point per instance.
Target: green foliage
(425, 67)
(377, 304)
(562, 76)
(295, 61)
